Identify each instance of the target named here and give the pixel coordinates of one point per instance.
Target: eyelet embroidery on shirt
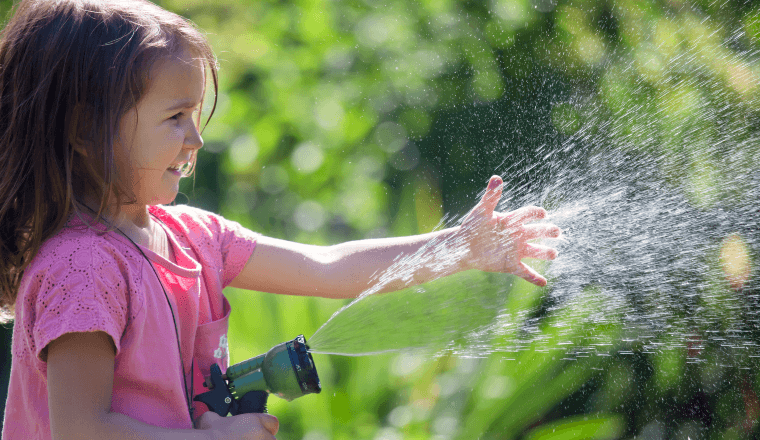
(52, 293)
(76, 252)
(221, 352)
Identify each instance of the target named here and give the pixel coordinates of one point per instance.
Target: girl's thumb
(270, 423)
(206, 419)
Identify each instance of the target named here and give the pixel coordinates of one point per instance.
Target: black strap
(188, 395)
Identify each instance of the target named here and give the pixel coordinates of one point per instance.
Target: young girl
(117, 296)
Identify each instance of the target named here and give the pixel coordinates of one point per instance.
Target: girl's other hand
(242, 426)
(499, 241)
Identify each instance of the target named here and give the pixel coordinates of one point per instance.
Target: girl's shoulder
(221, 244)
(198, 224)
(82, 279)
(79, 245)
(186, 216)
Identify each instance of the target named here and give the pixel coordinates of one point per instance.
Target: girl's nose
(193, 139)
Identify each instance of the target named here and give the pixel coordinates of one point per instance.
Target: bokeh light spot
(735, 261)
(307, 157)
(243, 152)
(310, 216)
(274, 179)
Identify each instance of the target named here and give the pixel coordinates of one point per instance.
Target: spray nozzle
(286, 370)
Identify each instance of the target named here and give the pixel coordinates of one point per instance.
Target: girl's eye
(177, 116)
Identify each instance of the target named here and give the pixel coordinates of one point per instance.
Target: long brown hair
(69, 70)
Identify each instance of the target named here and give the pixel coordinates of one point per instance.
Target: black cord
(188, 396)
(190, 408)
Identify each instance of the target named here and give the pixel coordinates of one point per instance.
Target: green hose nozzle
(286, 370)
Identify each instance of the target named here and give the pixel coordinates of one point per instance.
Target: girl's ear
(80, 131)
(80, 150)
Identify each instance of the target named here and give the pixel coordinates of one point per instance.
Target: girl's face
(159, 136)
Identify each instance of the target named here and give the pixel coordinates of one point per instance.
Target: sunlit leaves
(586, 46)
(581, 427)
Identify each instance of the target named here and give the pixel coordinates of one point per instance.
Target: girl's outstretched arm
(486, 240)
(80, 381)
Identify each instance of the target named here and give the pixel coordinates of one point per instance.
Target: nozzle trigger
(219, 399)
(252, 402)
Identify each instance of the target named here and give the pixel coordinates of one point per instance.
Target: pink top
(83, 281)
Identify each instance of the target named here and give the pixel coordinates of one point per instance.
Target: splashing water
(654, 258)
(636, 256)
(648, 259)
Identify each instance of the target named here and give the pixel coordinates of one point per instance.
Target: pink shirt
(84, 281)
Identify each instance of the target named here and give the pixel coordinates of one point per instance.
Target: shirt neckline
(186, 266)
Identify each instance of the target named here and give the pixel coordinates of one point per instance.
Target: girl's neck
(141, 227)
(145, 230)
(137, 224)
(131, 216)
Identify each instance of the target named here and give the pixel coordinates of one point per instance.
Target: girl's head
(71, 71)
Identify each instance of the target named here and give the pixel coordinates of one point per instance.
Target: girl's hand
(499, 241)
(242, 426)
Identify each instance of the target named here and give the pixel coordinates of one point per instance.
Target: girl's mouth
(176, 169)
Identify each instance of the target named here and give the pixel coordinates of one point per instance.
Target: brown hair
(69, 70)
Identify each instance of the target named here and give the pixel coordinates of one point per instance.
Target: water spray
(286, 370)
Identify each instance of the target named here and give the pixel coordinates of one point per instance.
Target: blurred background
(348, 119)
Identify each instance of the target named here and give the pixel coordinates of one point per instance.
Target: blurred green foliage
(347, 119)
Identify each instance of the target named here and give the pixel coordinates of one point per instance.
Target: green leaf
(580, 428)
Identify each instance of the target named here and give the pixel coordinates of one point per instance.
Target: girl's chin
(163, 199)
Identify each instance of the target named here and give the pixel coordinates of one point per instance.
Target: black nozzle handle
(252, 402)
(221, 401)
(218, 399)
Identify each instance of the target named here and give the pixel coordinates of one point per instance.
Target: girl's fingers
(532, 232)
(523, 215)
(492, 195)
(529, 274)
(206, 420)
(270, 423)
(540, 252)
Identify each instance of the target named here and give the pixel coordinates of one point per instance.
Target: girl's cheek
(177, 134)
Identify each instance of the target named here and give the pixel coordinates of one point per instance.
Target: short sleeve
(78, 286)
(237, 244)
(227, 242)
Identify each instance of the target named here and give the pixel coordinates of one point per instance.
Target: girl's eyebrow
(182, 103)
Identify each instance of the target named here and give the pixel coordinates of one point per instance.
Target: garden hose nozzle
(286, 370)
